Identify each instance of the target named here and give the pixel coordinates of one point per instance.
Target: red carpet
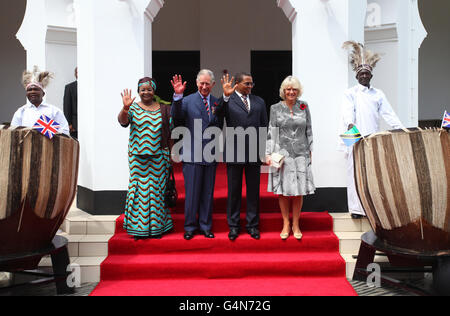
(173, 266)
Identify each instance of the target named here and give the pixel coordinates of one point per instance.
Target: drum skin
(38, 179)
(402, 178)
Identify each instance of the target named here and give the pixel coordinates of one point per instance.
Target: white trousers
(354, 204)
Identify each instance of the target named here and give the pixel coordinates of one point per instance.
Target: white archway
(154, 6)
(105, 45)
(114, 49)
(230, 45)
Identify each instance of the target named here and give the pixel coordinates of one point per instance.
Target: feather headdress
(36, 78)
(361, 59)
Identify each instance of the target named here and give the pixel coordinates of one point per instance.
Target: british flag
(446, 121)
(47, 126)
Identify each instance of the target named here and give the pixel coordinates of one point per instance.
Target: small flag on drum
(351, 137)
(47, 126)
(446, 120)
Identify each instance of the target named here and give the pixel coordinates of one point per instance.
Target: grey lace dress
(290, 134)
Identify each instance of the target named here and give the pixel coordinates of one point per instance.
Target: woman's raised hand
(227, 85)
(178, 85)
(127, 99)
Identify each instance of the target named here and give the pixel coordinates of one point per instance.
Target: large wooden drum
(38, 179)
(403, 181)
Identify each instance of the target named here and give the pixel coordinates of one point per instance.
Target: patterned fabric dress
(290, 134)
(146, 214)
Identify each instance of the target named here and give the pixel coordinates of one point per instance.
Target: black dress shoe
(357, 216)
(234, 233)
(207, 233)
(254, 232)
(188, 235)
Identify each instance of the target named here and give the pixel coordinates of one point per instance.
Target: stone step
(351, 263)
(343, 222)
(89, 267)
(88, 237)
(81, 223)
(78, 222)
(349, 242)
(87, 245)
(97, 245)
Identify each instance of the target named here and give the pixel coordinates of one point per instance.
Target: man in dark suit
(195, 112)
(71, 105)
(246, 114)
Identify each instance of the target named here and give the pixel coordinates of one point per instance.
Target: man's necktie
(205, 100)
(244, 99)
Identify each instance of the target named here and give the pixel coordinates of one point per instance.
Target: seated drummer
(27, 115)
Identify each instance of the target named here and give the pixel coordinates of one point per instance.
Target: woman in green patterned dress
(146, 213)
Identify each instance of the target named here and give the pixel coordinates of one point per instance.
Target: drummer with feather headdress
(35, 83)
(362, 106)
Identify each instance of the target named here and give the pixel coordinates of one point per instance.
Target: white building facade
(113, 45)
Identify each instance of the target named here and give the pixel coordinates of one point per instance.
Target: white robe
(363, 108)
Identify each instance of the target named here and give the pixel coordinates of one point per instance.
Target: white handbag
(276, 160)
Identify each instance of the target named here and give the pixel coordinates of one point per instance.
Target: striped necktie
(244, 99)
(205, 100)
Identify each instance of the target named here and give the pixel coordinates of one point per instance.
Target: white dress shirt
(28, 115)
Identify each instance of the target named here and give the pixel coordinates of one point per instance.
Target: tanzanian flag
(351, 137)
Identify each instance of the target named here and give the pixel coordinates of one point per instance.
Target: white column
(151, 11)
(32, 33)
(411, 33)
(111, 57)
(49, 37)
(319, 30)
(356, 29)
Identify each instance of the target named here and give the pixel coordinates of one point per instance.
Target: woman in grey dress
(290, 135)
